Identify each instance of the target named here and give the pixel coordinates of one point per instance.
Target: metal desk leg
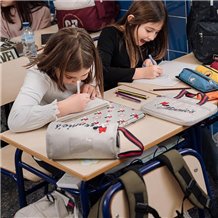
(84, 199)
(20, 179)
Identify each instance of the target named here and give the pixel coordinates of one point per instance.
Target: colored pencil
(127, 97)
(134, 94)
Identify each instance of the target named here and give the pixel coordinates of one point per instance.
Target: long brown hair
(70, 50)
(24, 10)
(144, 12)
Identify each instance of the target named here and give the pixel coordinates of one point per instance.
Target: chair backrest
(11, 79)
(164, 192)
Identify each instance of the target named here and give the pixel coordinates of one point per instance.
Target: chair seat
(7, 162)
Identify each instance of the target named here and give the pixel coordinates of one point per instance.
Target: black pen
(127, 97)
(169, 89)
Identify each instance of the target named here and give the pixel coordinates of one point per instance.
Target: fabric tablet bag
(181, 109)
(73, 141)
(198, 80)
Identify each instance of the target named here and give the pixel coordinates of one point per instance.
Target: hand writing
(74, 103)
(91, 90)
(152, 71)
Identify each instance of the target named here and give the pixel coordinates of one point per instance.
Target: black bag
(209, 151)
(202, 30)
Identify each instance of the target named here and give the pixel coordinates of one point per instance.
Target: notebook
(101, 112)
(92, 106)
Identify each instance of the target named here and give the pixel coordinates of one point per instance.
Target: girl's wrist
(62, 108)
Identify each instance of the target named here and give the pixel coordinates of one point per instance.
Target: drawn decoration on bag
(102, 128)
(136, 116)
(71, 20)
(166, 105)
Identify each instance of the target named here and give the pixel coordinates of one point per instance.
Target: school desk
(36, 147)
(33, 142)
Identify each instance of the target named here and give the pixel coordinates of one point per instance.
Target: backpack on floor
(137, 197)
(202, 30)
(135, 189)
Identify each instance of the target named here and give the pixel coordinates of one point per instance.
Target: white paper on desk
(171, 69)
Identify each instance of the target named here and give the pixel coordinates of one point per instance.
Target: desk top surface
(33, 142)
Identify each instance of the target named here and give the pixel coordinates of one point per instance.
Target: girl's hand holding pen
(149, 62)
(74, 103)
(92, 90)
(148, 72)
(152, 71)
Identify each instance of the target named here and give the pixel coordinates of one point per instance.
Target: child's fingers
(148, 63)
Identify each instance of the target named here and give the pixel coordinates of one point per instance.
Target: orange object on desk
(211, 95)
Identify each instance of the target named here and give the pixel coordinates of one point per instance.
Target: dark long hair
(70, 50)
(24, 9)
(144, 12)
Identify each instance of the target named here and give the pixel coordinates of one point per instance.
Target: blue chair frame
(146, 169)
(84, 192)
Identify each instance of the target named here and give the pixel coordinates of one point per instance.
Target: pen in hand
(78, 86)
(152, 60)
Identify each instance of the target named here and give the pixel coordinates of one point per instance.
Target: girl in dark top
(124, 47)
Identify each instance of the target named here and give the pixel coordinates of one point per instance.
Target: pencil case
(84, 141)
(198, 80)
(208, 71)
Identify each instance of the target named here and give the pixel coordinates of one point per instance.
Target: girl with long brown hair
(50, 87)
(125, 46)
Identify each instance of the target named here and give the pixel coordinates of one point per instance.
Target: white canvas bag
(181, 109)
(51, 205)
(84, 141)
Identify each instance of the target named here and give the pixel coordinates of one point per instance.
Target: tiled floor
(9, 197)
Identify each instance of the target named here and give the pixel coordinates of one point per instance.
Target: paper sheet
(170, 70)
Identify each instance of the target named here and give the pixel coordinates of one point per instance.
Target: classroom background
(178, 11)
(177, 18)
